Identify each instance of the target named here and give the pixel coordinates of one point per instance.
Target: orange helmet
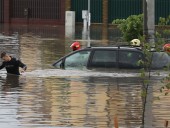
(166, 48)
(75, 46)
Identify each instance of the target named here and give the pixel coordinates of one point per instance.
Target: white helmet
(135, 42)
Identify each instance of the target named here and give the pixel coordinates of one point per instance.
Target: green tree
(131, 28)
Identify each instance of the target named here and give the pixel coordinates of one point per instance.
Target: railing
(38, 9)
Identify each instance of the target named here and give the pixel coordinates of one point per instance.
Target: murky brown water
(44, 97)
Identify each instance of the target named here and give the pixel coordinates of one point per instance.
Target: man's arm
(22, 65)
(2, 66)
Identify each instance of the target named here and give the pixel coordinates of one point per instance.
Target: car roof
(115, 47)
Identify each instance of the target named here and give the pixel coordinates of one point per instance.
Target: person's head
(75, 46)
(5, 56)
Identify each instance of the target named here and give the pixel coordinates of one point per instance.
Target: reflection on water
(40, 54)
(71, 101)
(47, 97)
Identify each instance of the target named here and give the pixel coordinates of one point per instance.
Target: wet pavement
(44, 97)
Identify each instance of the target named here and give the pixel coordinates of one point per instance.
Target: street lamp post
(149, 20)
(89, 15)
(149, 32)
(89, 22)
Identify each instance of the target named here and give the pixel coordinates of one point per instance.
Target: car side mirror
(62, 64)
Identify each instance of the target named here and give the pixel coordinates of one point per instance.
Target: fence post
(6, 11)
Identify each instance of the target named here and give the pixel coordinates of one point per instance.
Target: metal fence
(37, 9)
(1, 11)
(118, 9)
(162, 9)
(53, 9)
(95, 9)
(121, 9)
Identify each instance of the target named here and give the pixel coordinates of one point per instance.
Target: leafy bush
(118, 21)
(164, 21)
(131, 28)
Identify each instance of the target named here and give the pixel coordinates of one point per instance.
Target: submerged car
(119, 57)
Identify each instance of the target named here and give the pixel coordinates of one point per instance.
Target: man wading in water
(12, 64)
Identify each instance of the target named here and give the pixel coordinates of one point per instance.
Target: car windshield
(160, 60)
(77, 60)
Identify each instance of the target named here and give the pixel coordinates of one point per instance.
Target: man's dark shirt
(13, 65)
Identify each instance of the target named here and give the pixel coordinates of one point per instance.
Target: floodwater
(44, 97)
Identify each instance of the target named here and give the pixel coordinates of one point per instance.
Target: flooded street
(70, 101)
(45, 97)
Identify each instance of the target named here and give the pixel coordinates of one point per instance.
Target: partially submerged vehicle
(119, 57)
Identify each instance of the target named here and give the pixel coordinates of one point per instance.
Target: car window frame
(74, 52)
(101, 49)
(153, 64)
(70, 54)
(57, 62)
(130, 50)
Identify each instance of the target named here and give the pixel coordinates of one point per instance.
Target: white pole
(149, 20)
(89, 17)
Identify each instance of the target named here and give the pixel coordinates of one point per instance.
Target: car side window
(104, 59)
(160, 60)
(77, 60)
(129, 59)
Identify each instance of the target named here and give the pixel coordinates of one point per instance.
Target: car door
(103, 58)
(129, 59)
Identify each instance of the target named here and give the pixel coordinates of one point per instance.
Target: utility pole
(89, 23)
(89, 15)
(149, 33)
(149, 20)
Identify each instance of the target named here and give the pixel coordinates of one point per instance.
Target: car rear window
(160, 60)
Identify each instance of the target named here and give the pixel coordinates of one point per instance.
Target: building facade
(53, 11)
